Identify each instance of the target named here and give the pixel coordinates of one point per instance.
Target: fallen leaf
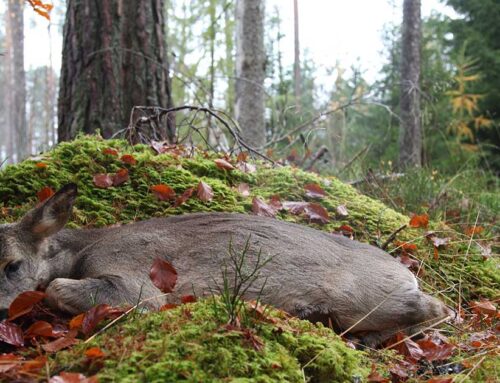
(245, 167)
(470, 231)
(39, 328)
(24, 303)
(110, 152)
(128, 159)
(314, 191)
(244, 189)
(242, 156)
(204, 192)
(34, 365)
(76, 322)
(405, 248)
(259, 207)
(59, 344)
(183, 197)
(295, 207)
(253, 339)
(41, 165)
(72, 377)
(96, 315)
(163, 192)
(435, 240)
(375, 376)
(94, 352)
(342, 211)
(316, 213)
(120, 177)
(419, 221)
(223, 164)
(275, 202)
(163, 275)
(168, 306)
(45, 193)
(188, 299)
(484, 307)
(433, 350)
(103, 181)
(406, 347)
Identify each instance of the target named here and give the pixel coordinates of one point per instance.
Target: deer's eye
(12, 268)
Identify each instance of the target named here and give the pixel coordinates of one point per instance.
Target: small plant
(238, 274)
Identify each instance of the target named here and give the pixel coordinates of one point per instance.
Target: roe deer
(312, 274)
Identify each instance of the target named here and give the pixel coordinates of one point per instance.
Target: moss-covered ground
(458, 272)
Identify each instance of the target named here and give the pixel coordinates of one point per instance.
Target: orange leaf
(45, 193)
(39, 328)
(168, 306)
(59, 344)
(34, 365)
(419, 220)
(41, 165)
(314, 191)
(205, 192)
(129, 159)
(470, 231)
(94, 352)
(111, 152)
(223, 164)
(163, 275)
(24, 303)
(120, 177)
(188, 299)
(184, 197)
(9, 361)
(76, 321)
(163, 192)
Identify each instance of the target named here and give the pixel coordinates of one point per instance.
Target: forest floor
(453, 252)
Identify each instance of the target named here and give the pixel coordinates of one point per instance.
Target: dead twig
(392, 237)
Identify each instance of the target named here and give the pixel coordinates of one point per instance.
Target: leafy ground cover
(119, 183)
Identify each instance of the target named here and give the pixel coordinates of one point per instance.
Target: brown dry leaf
(204, 192)
(72, 377)
(163, 192)
(314, 191)
(223, 164)
(435, 350)
(484, 307)
(168, 306)
(110, 152)
(472, 230)
(76, 322)
(262, 209)
(103, 181)
(163, 275)
(246, 167)
(242, 157)
(39, 328)
(419, 221)
(9, 361)
(24, 303)
(183, 197)
(188, 299)
(244, 189)
(94, 352)
(33, 366)
(120, 177)
(342, 211)
(11, 334)
(96, 315)
(129, 159)
(59, 344)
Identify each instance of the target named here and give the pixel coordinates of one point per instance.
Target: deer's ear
(52, 215)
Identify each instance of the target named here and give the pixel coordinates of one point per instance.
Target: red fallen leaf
(408, 348)
(11, 334)
(94, 352)
(375, 376)
(440, 380)
(24, 303)
(342, 211)
(242, 156)
(262, 209)
(204, 192)
(163, 192)
(39, 328)
(419, 220)
(275, 202)
(259, 310)
(163, 275)
(45, 193)
(435, 351)
(76, 322)
(72, 377)
(111, 152)
(120, 177)
(295, 207)
(245, 167)
(168, 306)
(41, 165)
(470, 231)
(129, 159)
(97, 314)
(34, 365)
(59, 344)
(292, 156)
(9, 361)
(314, 191)
(484, 307)
(223, 164)
(103, 181)
(405, 247)
(346, 229)
(188, 299)
(244, 189)
(183, 197)
(316, 213)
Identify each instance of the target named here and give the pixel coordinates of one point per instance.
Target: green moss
(191, 343)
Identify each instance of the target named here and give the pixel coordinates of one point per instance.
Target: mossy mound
(192, 343)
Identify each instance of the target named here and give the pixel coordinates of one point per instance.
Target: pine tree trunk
(410, 139)
(296, 65)
(114, 58)
(250, 70)
(17, 86)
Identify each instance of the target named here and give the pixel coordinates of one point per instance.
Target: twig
(359, 154)
(317, 156)
(392, 237)
(472, 369)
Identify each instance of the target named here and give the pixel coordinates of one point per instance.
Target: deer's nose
(4, 314)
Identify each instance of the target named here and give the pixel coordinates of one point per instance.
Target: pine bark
(296, 65)
(410, 138)
(114, 58)
(250, 70)
(17, 81)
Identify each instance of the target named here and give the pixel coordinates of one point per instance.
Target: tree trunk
(114, 58)
(410, 139)
(250, 70)
(296, 65)
(17, 86)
